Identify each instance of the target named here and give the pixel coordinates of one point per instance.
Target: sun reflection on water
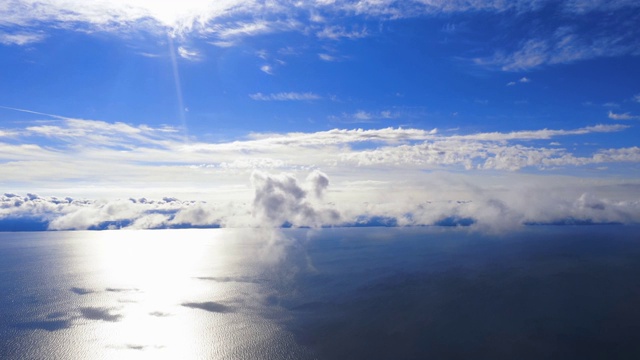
(166, 294)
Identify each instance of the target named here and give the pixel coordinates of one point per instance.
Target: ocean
(539, 292)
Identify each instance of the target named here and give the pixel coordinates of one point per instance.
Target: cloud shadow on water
(81, 291)
(48, 325)
(121, 289)
(210, 306)
(99, 313)
(224, 279)
(159, 314)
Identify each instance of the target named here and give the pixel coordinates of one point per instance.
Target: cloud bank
(99, 175)
(280, 200)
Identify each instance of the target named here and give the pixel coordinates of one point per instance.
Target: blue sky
(108, 100)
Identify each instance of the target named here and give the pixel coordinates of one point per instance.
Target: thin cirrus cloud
(285, 96)
(82, 149)
(225, 23)
(339, 32)
(21, 39)
(564, 45)
(622, 116)
(188, 54)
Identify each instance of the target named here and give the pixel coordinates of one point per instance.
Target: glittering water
(543, 292)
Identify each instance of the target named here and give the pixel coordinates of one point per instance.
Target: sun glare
(147, 277)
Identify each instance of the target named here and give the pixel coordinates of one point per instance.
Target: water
(369, 293)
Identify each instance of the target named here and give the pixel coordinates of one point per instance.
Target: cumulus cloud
(279, 200)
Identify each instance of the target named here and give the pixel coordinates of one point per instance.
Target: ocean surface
(541, 292)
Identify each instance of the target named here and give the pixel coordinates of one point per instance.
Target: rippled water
(543, 292)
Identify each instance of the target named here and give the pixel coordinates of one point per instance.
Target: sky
(233, 113)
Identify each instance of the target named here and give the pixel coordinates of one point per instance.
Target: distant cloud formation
(280, 200)
(135, 177)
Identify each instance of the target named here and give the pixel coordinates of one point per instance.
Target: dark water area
(552, 292)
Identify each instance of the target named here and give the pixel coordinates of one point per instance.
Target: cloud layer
(133, 177)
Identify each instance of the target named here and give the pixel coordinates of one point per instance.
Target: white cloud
(489, 202)
(224, 23)
(285, 96)
(362, 115)
(563, 46)
(339, 32)
(624, 116)
(187, 54)
(267, 69)
(21, 38)
(376, 172)
(327, 57)
(584, 6)
(223, 44)
(636, 98)
(243, 29)
(279, 199)
(522, 80)
(540, 134)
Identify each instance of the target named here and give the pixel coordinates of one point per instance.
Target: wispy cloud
(362, 115)
(327, 57)
(563, 46)
(226, 23)
(339, 32)
(623, 116)
(584, 6)
(285, 96)
(522, 80)
(187, 54)
(636, 98)
(21, 39)
(267, 69)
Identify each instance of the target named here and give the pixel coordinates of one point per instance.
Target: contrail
(35, 112)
